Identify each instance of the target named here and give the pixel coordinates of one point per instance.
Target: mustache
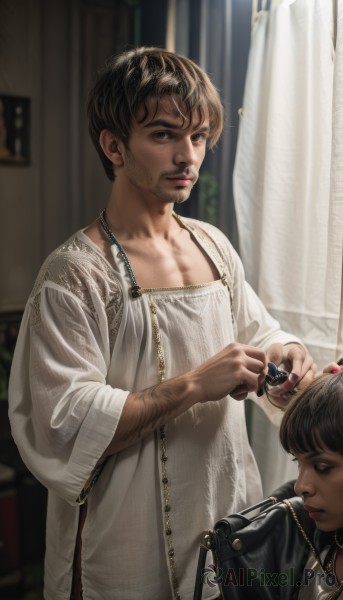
(188, 171)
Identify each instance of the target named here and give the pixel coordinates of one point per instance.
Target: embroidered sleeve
(80, 270)
(63, 412)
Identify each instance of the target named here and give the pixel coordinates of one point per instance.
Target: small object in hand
(275, 376)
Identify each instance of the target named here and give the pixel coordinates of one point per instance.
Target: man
(138, 340)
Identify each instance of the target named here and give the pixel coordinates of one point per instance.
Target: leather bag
(259, 553)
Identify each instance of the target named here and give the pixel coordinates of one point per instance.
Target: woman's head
(312, 431)
(125, 84)
(314, 419)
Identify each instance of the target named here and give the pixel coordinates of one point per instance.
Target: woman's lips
(313, 513)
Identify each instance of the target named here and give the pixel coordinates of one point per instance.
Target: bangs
(191, 114)
(314, 419)
(302, 442)
(167, 74)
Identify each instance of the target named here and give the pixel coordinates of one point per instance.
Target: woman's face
(320, 483)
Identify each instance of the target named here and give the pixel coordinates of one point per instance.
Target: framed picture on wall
(14, 130)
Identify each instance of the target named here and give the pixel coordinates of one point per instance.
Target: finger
(332, 368)
(300, 361)
(257, 367)
(289, 384)
(308, 377)
(249, 357)
(301, 364)
(275, 353)
(250, 383)
(293, 384)
(240, 392)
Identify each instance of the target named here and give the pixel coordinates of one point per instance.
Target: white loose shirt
(84, 344)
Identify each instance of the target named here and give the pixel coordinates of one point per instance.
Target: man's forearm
(235, 370)
(149, 409)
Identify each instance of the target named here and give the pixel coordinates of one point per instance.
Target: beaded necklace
(135, 288)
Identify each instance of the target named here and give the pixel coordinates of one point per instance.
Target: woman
(312, 431)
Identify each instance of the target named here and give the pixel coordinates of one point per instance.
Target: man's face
(164, 153)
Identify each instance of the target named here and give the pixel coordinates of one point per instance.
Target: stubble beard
(181, 200)
(137, 175)
(178, 196)
(174, 198)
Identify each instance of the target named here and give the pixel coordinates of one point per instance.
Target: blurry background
(52, 182)
(49, 53)
(274, 184)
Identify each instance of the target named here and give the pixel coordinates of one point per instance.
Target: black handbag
(259, 553)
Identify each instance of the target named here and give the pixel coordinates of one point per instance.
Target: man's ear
(110, 147)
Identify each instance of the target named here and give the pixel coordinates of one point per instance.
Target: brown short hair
(127, 81)
(314, 419)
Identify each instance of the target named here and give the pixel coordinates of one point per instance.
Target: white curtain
(288, 184)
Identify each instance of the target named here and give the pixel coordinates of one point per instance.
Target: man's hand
(236, 370)
(295, 360)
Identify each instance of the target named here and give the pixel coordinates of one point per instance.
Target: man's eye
(162, 135)
(199, 137)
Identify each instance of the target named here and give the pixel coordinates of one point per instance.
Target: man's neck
(136, 217)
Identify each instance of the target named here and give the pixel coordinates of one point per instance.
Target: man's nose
(185, 152)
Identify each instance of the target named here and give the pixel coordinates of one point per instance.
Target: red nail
(335, 370)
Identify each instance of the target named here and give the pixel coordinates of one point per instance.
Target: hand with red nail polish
(333, 367)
